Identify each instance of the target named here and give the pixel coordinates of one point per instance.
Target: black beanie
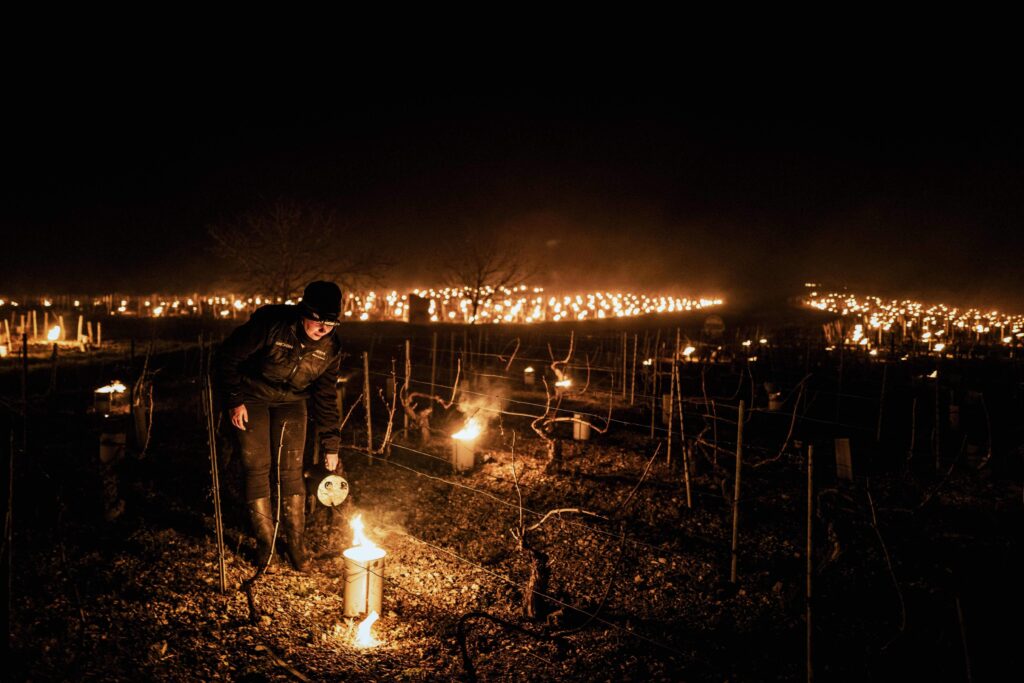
(322, 299)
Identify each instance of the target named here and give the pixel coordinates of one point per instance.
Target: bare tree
(482, 266)
(279, 248)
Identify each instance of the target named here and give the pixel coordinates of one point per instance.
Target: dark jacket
(270, 359)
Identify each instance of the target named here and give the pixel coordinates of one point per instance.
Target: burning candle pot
(364, 575)
(464, 445)
(111, 399)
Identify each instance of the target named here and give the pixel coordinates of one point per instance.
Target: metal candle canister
(364, 580)
(580, 428)
(464, 445)
(463, 454)
(112, 445)
(528, 376)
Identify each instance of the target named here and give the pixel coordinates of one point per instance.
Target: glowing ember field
(547, 503)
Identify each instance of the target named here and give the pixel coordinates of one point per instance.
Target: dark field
(916, 559)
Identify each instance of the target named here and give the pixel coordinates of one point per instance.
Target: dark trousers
(260, 443)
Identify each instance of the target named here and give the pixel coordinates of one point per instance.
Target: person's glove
(331, 461)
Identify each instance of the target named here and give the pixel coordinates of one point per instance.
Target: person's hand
(331, 461)
(239, 416)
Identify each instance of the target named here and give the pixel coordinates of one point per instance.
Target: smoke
(483, 398)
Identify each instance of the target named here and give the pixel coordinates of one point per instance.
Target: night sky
(108, 187)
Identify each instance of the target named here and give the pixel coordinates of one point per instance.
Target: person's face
(316, 329)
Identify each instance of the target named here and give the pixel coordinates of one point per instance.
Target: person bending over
(267, 370)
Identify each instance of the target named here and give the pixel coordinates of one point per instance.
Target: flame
(564, 383)
(114, 387)
(54, 333)
(470, 431)
(358, 533)
(688, 350)
(529, 368)
(363, 549)
(363, 636)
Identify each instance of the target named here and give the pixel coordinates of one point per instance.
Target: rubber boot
(263, 527)
(294, 528)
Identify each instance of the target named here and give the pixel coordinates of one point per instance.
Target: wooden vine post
(433, 364)
(671, 411)
(624, 348)
(632, 383)
(736, 492)
(451, 355)
(937, 431)
(913, 429)
(682, 440)
(366, 405)
(408, 374)
(810, 564)
(881, 403)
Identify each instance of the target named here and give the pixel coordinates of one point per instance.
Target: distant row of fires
(872, 321)
(520, 304)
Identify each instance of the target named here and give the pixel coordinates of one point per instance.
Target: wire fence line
(661, 550)
(644, 398)
(658, 429)
(875, 387)
(590, 615)
(517, 507)
(524, 588)
(398, 376)
(645, 426)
